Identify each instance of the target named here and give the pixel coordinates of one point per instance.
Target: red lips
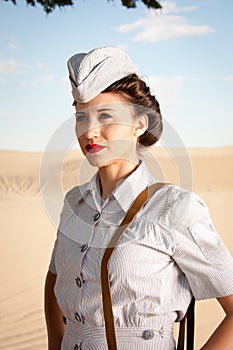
(94, 148)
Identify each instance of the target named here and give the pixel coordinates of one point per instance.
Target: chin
(95, 161)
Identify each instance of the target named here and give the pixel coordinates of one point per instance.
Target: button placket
(79, 282)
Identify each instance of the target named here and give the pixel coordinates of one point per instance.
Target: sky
(183, 52)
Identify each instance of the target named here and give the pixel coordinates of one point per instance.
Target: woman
(169, 253)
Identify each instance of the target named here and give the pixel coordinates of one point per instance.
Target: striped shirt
(170, 252)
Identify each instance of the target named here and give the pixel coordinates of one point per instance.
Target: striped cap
(91, 73)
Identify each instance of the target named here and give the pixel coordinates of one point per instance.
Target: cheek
(79, 131)
(82, 144)
(118, 131)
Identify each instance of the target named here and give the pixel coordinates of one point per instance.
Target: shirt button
(78, 282)
(96, 216)
(78, 317)
(148, 334)
(84, 247)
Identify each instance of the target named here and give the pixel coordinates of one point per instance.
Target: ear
(141, 125)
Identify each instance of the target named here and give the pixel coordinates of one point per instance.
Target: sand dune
(28, 227)
(212, 169)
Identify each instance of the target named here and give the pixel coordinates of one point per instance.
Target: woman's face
(106, 129)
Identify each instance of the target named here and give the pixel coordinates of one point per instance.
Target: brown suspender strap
(139, 202)
(190, 325)
(189, 318)
(181, 338)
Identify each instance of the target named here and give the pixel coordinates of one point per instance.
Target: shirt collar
(91, 192)
(126, 192)
(132, 186)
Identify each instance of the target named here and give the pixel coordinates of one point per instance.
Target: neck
(111, 175)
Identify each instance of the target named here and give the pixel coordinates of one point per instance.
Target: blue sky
(184, 52)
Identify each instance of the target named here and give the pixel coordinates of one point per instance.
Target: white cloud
(49, 78)
(171, 7)
(228, 78)
(166, 26)
(13, 46)
(11, 67)
(168, 90)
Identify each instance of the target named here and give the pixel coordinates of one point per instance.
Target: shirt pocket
(208, 240)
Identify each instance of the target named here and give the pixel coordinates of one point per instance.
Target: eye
(80, 117)
(105, 116)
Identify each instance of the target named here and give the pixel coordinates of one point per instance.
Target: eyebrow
(98, 110)
(104, 109)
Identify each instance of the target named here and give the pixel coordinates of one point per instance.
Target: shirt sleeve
(199, 250)
(69, 206)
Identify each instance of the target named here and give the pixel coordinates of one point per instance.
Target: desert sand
(30, 203)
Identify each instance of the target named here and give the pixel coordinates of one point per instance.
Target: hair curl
(138, 93)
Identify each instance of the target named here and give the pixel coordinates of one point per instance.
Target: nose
(92, 131)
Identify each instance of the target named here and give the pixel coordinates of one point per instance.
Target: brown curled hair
(135, 91)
